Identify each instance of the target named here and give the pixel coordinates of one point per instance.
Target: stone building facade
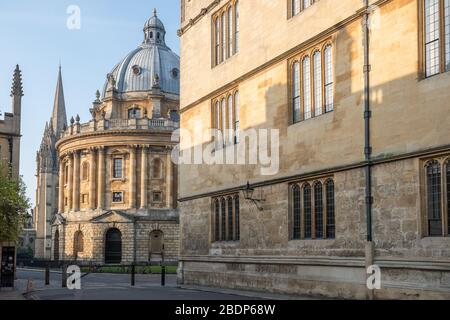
(47, 172)
(117, 195)
(10, 135)
(359, 93)
(10, 131)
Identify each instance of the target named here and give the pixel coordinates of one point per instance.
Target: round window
(175, 72)
(136, 70)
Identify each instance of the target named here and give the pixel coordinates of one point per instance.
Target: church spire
(59, 118)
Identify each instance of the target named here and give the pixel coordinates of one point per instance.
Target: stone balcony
(120, 124)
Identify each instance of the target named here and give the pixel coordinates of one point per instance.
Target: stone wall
(94, 240)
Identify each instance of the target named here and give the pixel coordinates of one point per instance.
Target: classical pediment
(113, 216)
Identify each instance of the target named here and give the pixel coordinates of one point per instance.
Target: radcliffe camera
(224, 158)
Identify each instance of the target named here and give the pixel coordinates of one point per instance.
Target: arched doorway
(113, 246)
(78, 244)
(56, 246)
(156, 244)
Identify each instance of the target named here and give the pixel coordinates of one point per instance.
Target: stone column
(132, 173)
(144, 171)
(169, 174)
(92, 181)
(70, 183)
(61, 187)
(76, 181)
(101, 178)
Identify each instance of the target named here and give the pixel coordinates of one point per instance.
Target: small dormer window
(175, 72)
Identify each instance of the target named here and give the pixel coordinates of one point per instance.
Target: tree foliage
(13, 205)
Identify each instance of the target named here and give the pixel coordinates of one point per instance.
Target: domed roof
(151, 65)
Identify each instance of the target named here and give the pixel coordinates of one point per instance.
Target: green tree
(13, 205)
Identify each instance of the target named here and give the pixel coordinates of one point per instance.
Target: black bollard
(133, 273)
(47, 275)
(163, 276)
(64, 276)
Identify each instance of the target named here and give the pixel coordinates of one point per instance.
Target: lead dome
(152, 64)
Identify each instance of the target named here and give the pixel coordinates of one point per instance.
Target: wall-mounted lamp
(248, 195)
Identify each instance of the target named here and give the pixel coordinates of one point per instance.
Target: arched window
(56, 246)
(113, 246)
(217, 41)
(237, 230)
(217, 220)
(306, 4)
(331, 229)
(295, 7)
(448, 196)
(78, 243)
(66, 174)
(317, 60)
(224, 35)
(236, 27)
(307, 88)
(134, 113)
(296, 212)
(85, 171)
(230, 119)
(156, 169)
(230, 218)
(224, 118)
(151, 34)
(223, 220)
(433, 173)
(156, 242)
(158, 35)
(236, 117)
(318, 206)
(230, 31)
(296, 91)
(329, 95)
(307, 210)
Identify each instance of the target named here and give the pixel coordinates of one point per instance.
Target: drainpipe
(369, 250)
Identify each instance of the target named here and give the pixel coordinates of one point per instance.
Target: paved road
(114, 287)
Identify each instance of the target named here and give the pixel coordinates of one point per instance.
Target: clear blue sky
(35, 36)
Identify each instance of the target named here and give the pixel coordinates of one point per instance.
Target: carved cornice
(198, 17)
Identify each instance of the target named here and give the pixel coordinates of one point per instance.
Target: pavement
(101, 286)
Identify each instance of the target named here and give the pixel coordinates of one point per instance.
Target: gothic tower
(47, 173)
(10, 127)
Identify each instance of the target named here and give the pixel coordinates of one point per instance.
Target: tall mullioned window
(434, 198)
(312, 210)
(226, 32)
(436, 36)
(217, 220)
(297, 6)
(437, 197)
(226, 212)
(296, 91)
(328, 64)
(331, 226)
(225, 117)
(223, 220)
(312, 83)
(317, 65)
(296, 195)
